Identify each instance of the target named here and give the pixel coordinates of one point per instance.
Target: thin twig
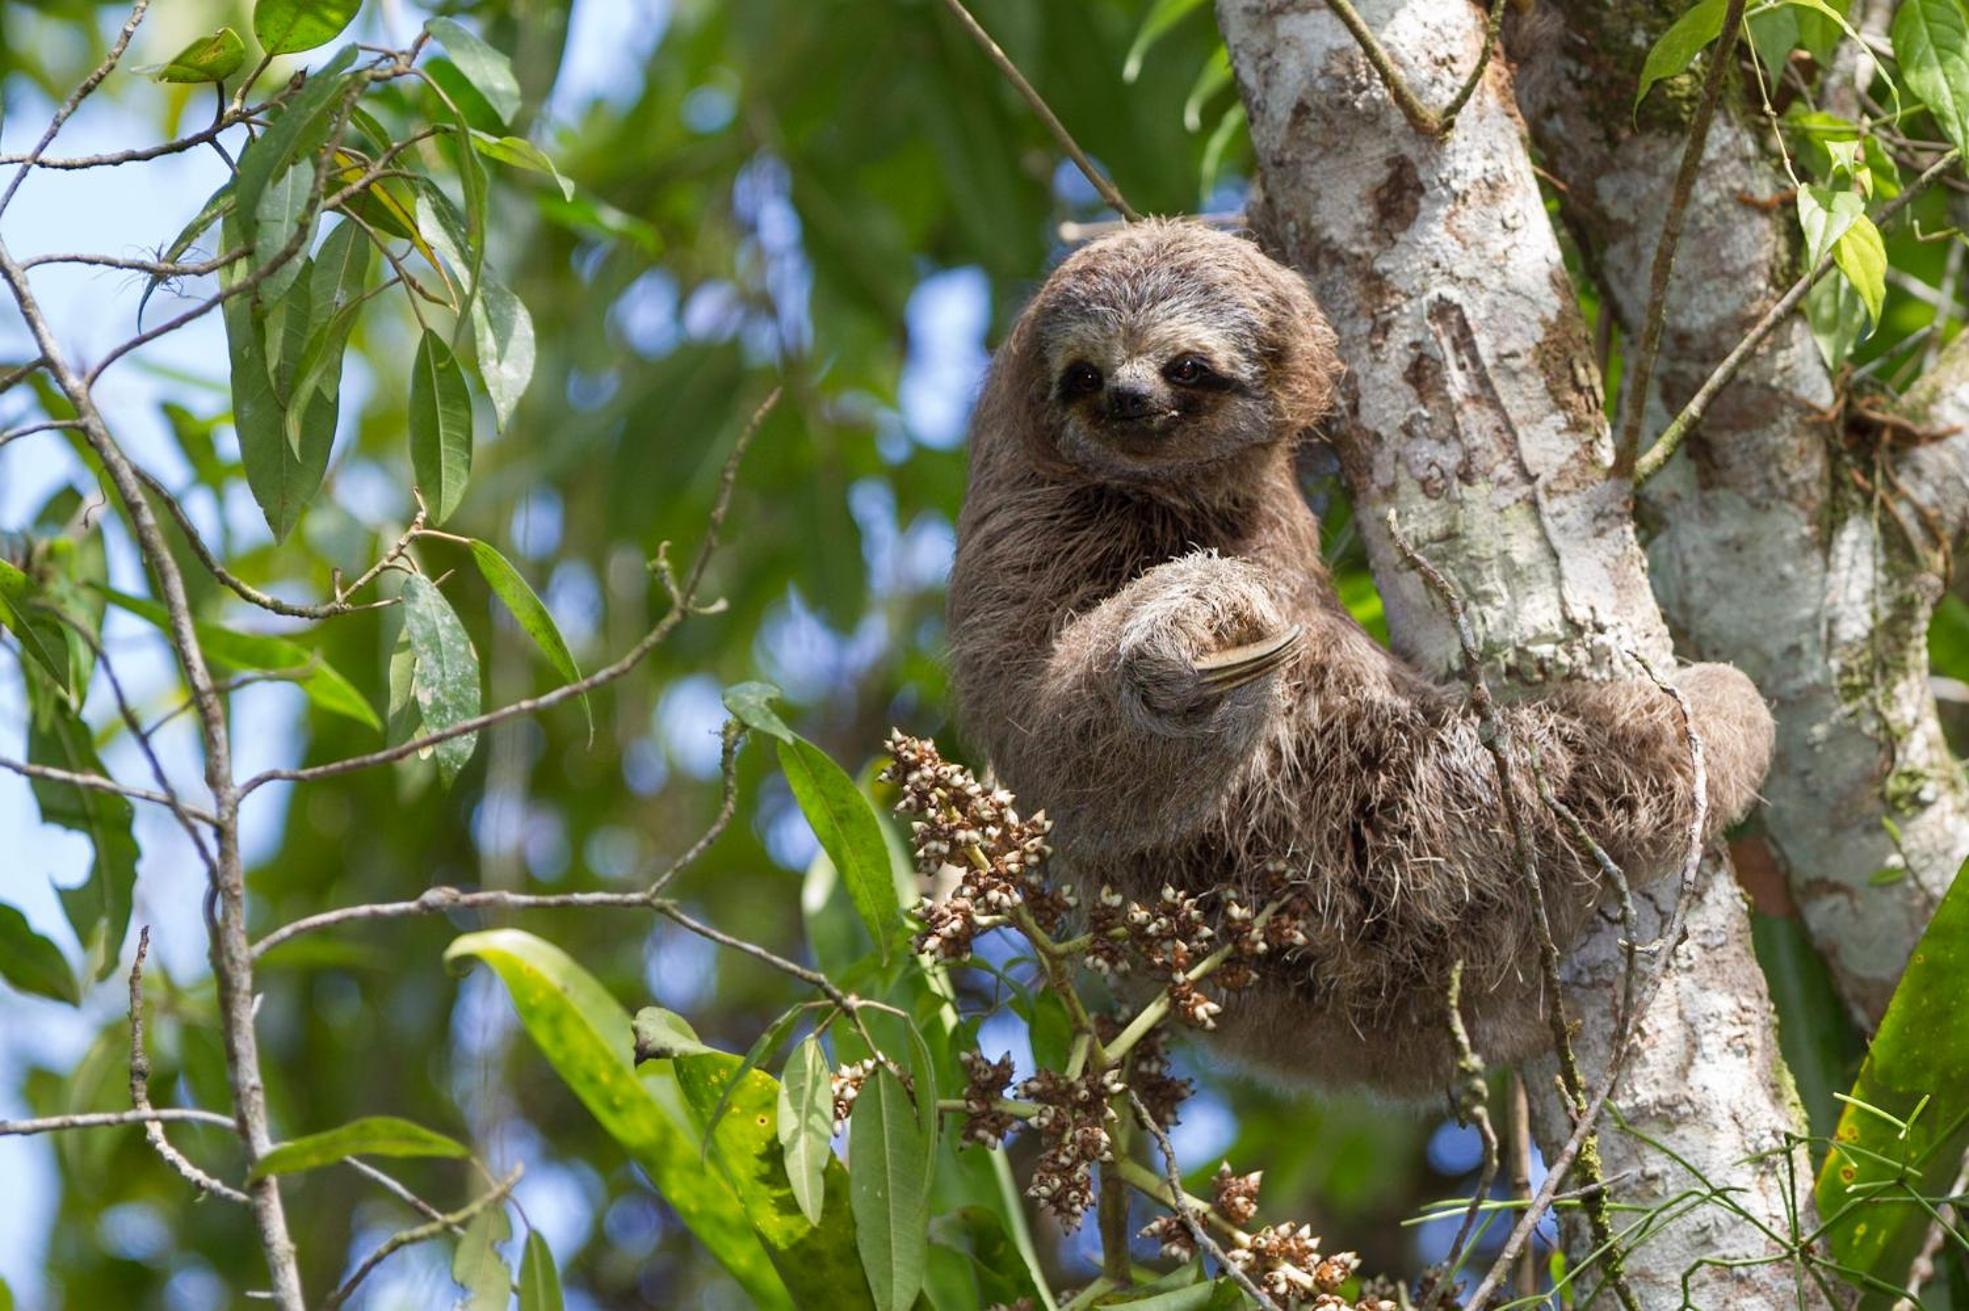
(1423, 119)
(96, 782)
(138, 155)
(403, 1238)
(1518, 1129)
(140, 1088)
(1691, 414)
(157, 771)
(683, 603)
(156, 268)
(1496, 738)
(1178, 1202)
(1642, 367)
(106, 1119)
(1108, 191)
(75, 99)
(1468, 1099)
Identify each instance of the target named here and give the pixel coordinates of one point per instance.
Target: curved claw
(1230, 669)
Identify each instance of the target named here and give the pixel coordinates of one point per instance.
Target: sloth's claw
(1232, 668)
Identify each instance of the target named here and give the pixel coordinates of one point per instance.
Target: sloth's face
(1144, 386)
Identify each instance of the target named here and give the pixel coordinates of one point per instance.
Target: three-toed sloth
(1146, 642)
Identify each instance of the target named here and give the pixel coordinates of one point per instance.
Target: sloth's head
(1168, 348)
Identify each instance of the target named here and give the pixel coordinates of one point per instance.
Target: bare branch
(96, 782)
(683, 602)
(156, 268)
(1721, 61)
(75, 99)
(231, 118)
(140, 1088)
(1691, 414)
(28, 429)
(1108, 191)
(106, 1119)
(1423, 119)
(1467, 1097)
(422, 1233)
(1178, 1201)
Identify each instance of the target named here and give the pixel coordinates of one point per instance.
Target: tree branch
(140, 1089)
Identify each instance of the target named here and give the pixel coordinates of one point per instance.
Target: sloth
(1145, 642)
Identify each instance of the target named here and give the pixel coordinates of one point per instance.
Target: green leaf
(488, 70)
(1678, 47)
(1825, 215)
(585, 1035)
(1836, 316)
(1906, 1125)
(1931, 43)
(211, 58)
(295, 131)
(1155, 25)
(478, 1268)
(40, 633)
(31, 963)
(276, 220)
(1862, 258)
(1948, 637)
(660, 1035)
(373, 1135)
(1197, 1297)
(521, 153)
(446, 681)
(264, 653)
(99, 909)
(763, 1046)
(533, 616)
(849, 832)
(540, 1282)
(283, 477)
(892, 1208)
(817, 1262)
(440, 426)
(502, 331)
(751, 705)
(286, 27)
(1214, 77)
(334, 301)
(806, 1125)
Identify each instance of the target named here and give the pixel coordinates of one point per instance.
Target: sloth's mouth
(1142, 434)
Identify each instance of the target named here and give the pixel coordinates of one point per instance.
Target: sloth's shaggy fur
(1098, 556)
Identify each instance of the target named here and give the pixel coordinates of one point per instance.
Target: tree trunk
(1472, 410)
(1765, 550)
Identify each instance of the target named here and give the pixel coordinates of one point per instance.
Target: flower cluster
(1287, 1263)
(1236, 1194)
(1171, 1236)
(1072, 1123)
(1149, 1075)
(984, 1087)
(961, 824)
(846, 1083)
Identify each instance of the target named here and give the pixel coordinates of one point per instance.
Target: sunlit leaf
(1906, 1124)
(264, 653)
(762, 1047)
(374, 1135)
(211, 58)
(540, 1280)
(532, 614)
(282, 477)
(287, 27)
(585, 1035)
(806, 1125)
(1678, 47)
(1162, 16)
(521, 153)
(751, 705)
(440, 426)
(502, 331)
(446, 681)
(817, 1262)
(661, 1035)
(489, 71)
(31, 963)
(1862, 258)
(890, 1202)
(1836, 316)
(477, 1266)
(294, 132)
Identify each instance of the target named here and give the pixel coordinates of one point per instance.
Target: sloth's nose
(1129, 402)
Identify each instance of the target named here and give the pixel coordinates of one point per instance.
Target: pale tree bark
(1472, 410)
(1766, 551)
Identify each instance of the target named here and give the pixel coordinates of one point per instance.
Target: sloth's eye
(1187, 371)
(1080, 380)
